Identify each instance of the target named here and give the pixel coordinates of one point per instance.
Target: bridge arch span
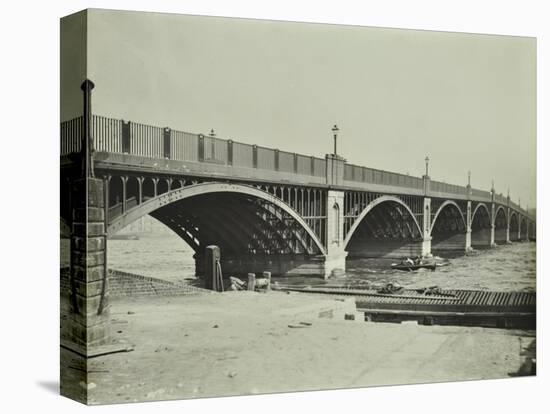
(480, 227)
(497, 212)
(523, 226)
(180, 194)
(386, 227)
(371, 206)
(443, 206)
(514, 226)
(478, 206)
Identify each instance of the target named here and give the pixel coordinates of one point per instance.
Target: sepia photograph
(252, 206)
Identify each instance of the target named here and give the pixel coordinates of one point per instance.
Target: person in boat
(409, 261)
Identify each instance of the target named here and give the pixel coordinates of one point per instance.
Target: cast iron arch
(441, 207)
(170, 197)
(477, 208)
(493, 221)
(370, 206)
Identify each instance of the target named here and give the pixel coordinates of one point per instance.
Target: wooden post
(212, 256)
(267, 276)
(251, 281)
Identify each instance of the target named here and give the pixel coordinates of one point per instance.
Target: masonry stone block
(86, 259)
(88, 274)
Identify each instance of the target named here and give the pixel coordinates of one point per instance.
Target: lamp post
(212, 133)
(335, 132)
(427, 159)
(469, 176)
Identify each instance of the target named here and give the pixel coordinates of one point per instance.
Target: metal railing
(373, 176)
(118, 136)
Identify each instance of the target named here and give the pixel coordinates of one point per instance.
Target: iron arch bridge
(266, 208)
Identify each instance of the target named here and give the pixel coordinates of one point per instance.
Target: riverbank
(241, 343)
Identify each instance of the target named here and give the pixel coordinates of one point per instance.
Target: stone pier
(88, 278)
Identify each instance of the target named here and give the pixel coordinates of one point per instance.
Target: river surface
(505, 268)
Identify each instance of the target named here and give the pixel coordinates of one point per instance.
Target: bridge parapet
(355, 173)
(158, 148)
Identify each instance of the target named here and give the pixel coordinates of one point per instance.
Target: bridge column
(508, 241)
(124, 191)
(89, 313)
(335, 169)
(335, 259)
(468, 247)
(493, 217)
(426, 236)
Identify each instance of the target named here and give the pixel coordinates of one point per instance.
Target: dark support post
(126, 137)
(87, 147)
(230, 152)
(295, 163)
(276, 155)
(212, 258)
(140, 190)
(155, 186)
(124, 193)
(201, 147)
(166, 136)
(312, 166)
(254, 156)
(251, 281)
(106, 182)
(267, 276)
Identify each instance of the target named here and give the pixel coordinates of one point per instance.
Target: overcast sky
(467, 101)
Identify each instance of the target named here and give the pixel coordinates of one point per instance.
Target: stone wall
(123, 284)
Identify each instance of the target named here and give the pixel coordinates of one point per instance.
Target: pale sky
(468, 101)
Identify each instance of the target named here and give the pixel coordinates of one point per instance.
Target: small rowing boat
(415, 266)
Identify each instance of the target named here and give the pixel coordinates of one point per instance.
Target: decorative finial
(212, 133)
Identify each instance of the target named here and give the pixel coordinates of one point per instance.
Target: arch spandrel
(442, 207)
(368, 209)
(478, 206)
(178, 194)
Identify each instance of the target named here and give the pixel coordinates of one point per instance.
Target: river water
(505, 268)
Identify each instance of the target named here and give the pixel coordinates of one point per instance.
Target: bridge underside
(253, 235)
(514, 228)
(387, 231)
(501, 227)
(449, 231)
(481, 229)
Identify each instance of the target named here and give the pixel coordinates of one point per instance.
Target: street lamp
(212, 133)
(335, 132)
(427, 159)
(469, 176)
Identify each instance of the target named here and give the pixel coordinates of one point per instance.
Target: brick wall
(123, 284)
